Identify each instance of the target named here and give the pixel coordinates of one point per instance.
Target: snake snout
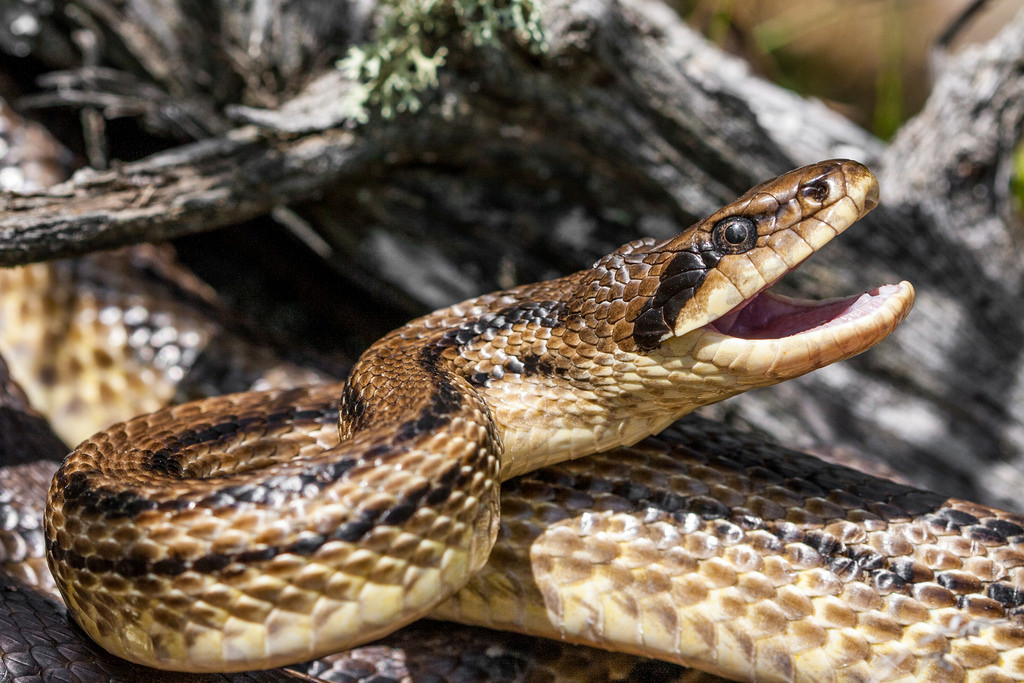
(871, 199)
(861, 185)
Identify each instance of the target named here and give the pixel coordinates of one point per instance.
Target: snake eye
(734, 235)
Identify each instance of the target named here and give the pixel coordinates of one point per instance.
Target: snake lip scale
(248, 531)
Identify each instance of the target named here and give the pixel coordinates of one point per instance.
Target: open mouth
(773, 316)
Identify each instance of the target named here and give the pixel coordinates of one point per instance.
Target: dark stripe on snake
(680, 280)
(164, 461)
(445, 401)
(101, 502)
(350, 532)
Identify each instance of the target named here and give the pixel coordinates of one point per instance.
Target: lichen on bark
(391, 72)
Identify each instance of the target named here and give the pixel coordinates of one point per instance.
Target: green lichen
(391, 73)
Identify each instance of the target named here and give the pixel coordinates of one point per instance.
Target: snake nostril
(871, 199)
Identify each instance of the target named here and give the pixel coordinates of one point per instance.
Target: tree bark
(521, 167)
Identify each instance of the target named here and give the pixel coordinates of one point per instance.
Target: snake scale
(700, 546)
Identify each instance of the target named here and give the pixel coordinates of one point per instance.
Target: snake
(703, 545)
(258, 529)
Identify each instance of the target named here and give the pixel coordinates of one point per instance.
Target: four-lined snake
(248, 530)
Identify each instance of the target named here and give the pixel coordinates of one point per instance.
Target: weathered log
(523, 166)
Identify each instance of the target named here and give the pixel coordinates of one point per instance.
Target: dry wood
(521, 167)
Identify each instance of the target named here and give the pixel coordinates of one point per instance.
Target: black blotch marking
(1006, 594)
(253, 556)
(957, 582)
(909, 570)
(527, 365)
(648, 329)
(306, 546)
(406, 507)
(211, 563)
(846, 559)
(216, 431)
(1004, 528)
(541, 313)
(98, 565)
(353, 530)
(680, 280)
(399, 514)
(950, 519)
(131, 566)
(442, 490)
(171, 566)
(163, 462)
(99, 502)
(114, 505)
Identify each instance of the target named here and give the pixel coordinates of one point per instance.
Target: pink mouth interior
(770, 316)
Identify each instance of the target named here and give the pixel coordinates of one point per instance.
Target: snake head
(719, 266)
(657, 329)
(710, 298)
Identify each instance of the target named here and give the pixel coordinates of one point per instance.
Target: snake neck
(542, 367)
(609, 355)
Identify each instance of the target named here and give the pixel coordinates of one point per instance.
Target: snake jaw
(794, 215)
(757, 337)
(769, 315)
(772, 338)
(775, 336)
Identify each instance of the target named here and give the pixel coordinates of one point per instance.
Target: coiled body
(259, 529)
